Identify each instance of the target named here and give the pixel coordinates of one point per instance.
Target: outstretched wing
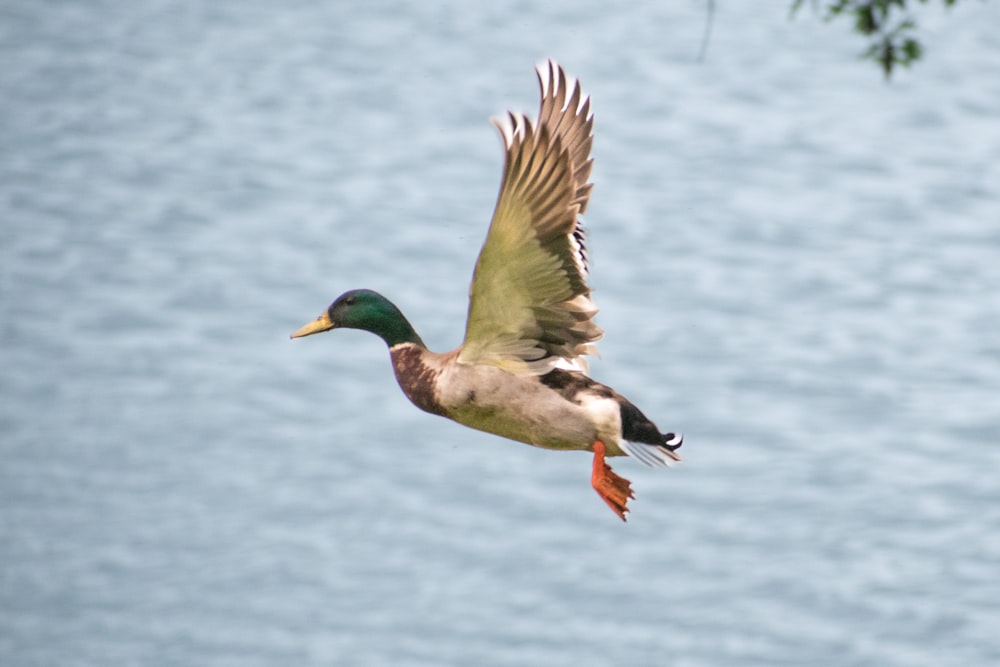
(529, 304)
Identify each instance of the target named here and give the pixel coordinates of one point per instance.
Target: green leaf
(912, 51)
(864, 21)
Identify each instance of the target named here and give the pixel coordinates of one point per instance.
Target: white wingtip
(543, 69)
(553, 79)
(511, 125)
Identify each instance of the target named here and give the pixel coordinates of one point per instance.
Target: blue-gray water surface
(797, 265)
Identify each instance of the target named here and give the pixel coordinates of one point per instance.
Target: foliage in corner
(886, 23)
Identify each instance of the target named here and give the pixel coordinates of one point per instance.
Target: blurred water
(796, 264)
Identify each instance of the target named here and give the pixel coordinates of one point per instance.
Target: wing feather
(530, 308)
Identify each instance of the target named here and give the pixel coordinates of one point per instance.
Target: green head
(367, 310)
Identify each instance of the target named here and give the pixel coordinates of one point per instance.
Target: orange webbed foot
(614, 489)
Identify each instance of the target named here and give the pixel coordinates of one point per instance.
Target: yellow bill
(319, 325)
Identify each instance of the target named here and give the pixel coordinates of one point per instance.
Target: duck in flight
(520, 373)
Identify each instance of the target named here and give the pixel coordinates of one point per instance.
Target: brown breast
(415, 377)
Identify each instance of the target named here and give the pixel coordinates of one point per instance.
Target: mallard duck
(520, 372)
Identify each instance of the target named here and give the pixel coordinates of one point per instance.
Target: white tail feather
(653, 456)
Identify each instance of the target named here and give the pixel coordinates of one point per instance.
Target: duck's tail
(656, 455)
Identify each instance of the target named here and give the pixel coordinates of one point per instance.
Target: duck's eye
(350, 301)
